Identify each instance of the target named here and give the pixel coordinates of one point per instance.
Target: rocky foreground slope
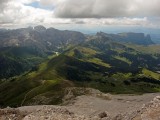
(150, 111)
(92, 107)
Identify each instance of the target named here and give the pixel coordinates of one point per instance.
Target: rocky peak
(40, 28)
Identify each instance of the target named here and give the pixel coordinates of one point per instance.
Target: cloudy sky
(20, 13)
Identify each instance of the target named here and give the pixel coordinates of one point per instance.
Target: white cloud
(18, 13)
(94, 12)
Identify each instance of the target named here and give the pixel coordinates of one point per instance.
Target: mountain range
(39, 64)
(21, 48)
(27, 46)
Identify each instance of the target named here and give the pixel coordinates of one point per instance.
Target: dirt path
(24, 99)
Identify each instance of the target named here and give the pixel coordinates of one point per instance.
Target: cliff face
(136, 38)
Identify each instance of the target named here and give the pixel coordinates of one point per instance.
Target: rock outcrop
(150, 111)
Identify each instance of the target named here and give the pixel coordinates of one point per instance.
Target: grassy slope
(151, 49)
(78, 66)
(22, 90)
(119, 82)
(151, 74)
(16, 60)
(123, 59)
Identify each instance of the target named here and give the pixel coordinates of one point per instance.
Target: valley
(79, 60)
(44, 62)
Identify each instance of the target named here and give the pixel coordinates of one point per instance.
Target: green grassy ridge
(87, 55)
(118, 79)
(71, 67)
(30, 81)
(99, 78)
(26, 90)
(83, 66)
(119, 51)
(46, 81)
(32, 84)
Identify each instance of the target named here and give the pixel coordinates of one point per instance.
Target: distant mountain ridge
(50, 38)
(130, 37)
(39, 36)
(26, 47)
(156, 38)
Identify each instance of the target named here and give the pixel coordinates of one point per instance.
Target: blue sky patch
(38, 5)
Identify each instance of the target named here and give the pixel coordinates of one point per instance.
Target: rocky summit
(87, 108)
